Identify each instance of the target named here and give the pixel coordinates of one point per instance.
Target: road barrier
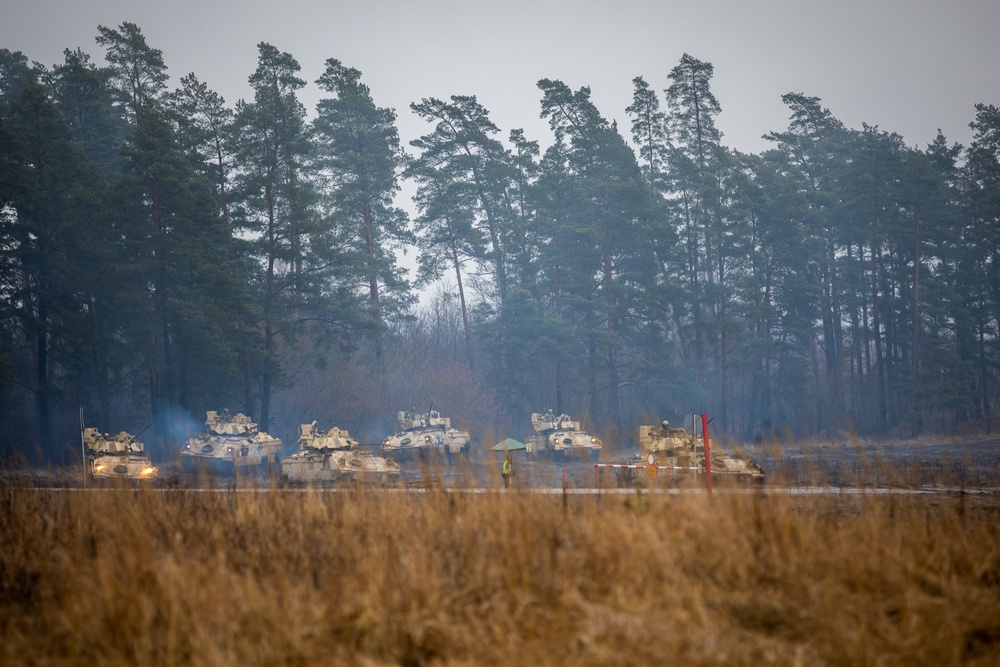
(642, 466)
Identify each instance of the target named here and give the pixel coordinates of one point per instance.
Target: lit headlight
(99, 467)
(148, 471)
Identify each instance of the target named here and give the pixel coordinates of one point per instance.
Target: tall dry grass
(147, 577)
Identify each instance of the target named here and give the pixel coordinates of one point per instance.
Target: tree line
(163, 253)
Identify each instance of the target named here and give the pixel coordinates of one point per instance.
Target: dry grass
(148, 577)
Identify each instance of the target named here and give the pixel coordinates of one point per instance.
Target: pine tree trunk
(461, 300)
(879, 357)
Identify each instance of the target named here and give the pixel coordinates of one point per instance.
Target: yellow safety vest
(505, 470)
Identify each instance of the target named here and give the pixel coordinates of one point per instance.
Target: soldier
(507, 470)
(669, 432)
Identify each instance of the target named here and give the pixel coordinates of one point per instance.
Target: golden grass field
(275, 577)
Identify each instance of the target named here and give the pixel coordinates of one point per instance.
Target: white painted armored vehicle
(116, 457)
(231, 444)
(424, 434)
(562, 437)
(332, 456)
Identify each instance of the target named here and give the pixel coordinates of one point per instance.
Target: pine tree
(447, 236)
(649, 133)
(44, 183)
(205, 128)
(464, 147)
(616, 221)
(694, 177)
(359, 158)
(138, 75)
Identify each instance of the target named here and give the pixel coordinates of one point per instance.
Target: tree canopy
(164, 253)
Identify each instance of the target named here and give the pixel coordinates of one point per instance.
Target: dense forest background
(163, 253)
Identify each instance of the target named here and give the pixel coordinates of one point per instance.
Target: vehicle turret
(116, 457)
(675, 447)
(426, 433)
(560, 434)
(311, 437)
(231, 443)
(332, 456)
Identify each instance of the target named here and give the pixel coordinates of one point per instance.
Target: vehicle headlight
(149, 470)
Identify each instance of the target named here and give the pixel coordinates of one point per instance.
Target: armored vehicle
(676, 448)
(116, 457)
(561, 436)
(333, 456)
(426, 433)
(231, 444)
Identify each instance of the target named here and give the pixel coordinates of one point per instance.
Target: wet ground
(952, 461)
(969, 462)
(845, 463)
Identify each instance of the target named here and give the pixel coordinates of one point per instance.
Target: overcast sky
(908, 66)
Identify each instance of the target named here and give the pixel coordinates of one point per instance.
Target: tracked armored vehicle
(676, 448)
(424, 434)
(116, 457)
(561, 437)
(332, 456)
(231, 444)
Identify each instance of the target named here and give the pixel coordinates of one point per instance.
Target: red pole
(565, 498)
(708, 453)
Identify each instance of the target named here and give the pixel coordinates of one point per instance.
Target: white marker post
(83, 450)
(708, 454)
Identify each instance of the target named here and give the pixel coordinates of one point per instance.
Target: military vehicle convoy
(231, 444)
(332, 456)
(561, 436)
(116, 457)
(672, 446)
(424, 434)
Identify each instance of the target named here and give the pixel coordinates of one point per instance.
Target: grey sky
(908, 66)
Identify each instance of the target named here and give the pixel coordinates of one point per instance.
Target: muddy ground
(971, 462)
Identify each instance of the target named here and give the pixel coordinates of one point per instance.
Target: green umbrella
(508, 445)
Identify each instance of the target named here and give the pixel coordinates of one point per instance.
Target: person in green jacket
(507, 470)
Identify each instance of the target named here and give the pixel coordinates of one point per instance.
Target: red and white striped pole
(708, 453)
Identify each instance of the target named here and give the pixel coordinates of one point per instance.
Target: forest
(164, 253)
